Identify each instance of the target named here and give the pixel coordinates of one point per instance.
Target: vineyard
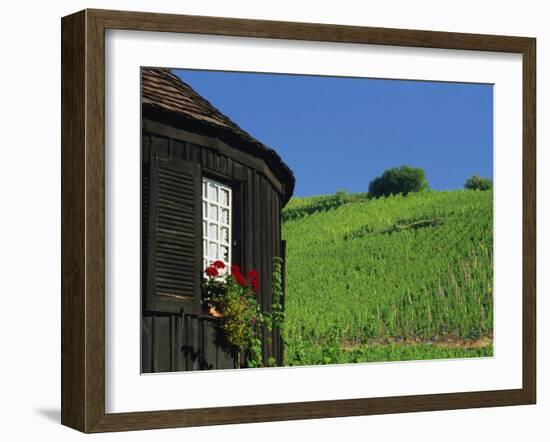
(394, 278)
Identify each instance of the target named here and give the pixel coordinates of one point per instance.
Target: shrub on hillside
(404, 180)
(478, 183)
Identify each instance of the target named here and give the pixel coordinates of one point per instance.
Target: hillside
(388, 279)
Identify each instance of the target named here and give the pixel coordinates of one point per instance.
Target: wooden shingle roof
(164, 91)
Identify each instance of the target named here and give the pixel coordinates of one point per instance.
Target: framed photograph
(267, 220)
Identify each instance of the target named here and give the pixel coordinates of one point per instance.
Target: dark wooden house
(209, 191)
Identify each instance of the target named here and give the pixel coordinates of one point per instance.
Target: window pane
(204, 232)
(224, 233)
(212, 192)
(224, 197)
(204, 250)
(213, 250)
(213, 212)
(204, 189)
(204, 209)
(224, 252)
(213, 231)
(225, 216)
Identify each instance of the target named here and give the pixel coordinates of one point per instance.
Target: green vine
(277, 311)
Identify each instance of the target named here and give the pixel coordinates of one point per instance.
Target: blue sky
(340, 133)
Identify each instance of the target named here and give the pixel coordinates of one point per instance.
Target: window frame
(206, 222)
(237, 211)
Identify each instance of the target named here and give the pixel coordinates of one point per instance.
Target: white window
(216, 223)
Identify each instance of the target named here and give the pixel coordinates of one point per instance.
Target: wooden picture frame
(83, 220)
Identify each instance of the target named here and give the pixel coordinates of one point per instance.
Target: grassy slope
(415, 271)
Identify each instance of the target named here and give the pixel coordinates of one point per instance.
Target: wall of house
(178, 342)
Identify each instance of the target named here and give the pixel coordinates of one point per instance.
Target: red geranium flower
(255, 285)
(237, 275)
(211, 271)
(241, 280)
(253, 279)
(218, 264)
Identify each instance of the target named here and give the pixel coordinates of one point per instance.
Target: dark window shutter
(174, 260)
(144, 223)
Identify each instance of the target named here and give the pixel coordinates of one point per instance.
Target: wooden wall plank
(146, 344)
(160, 144)
(223, 166)
(249, 209)
(161, 344)
(209, 345)
(173, 343)
(195, 153)
(225, 359)
(193, 350)
(238, 170)
(204, 157)
(178, 149)
(181, 362)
